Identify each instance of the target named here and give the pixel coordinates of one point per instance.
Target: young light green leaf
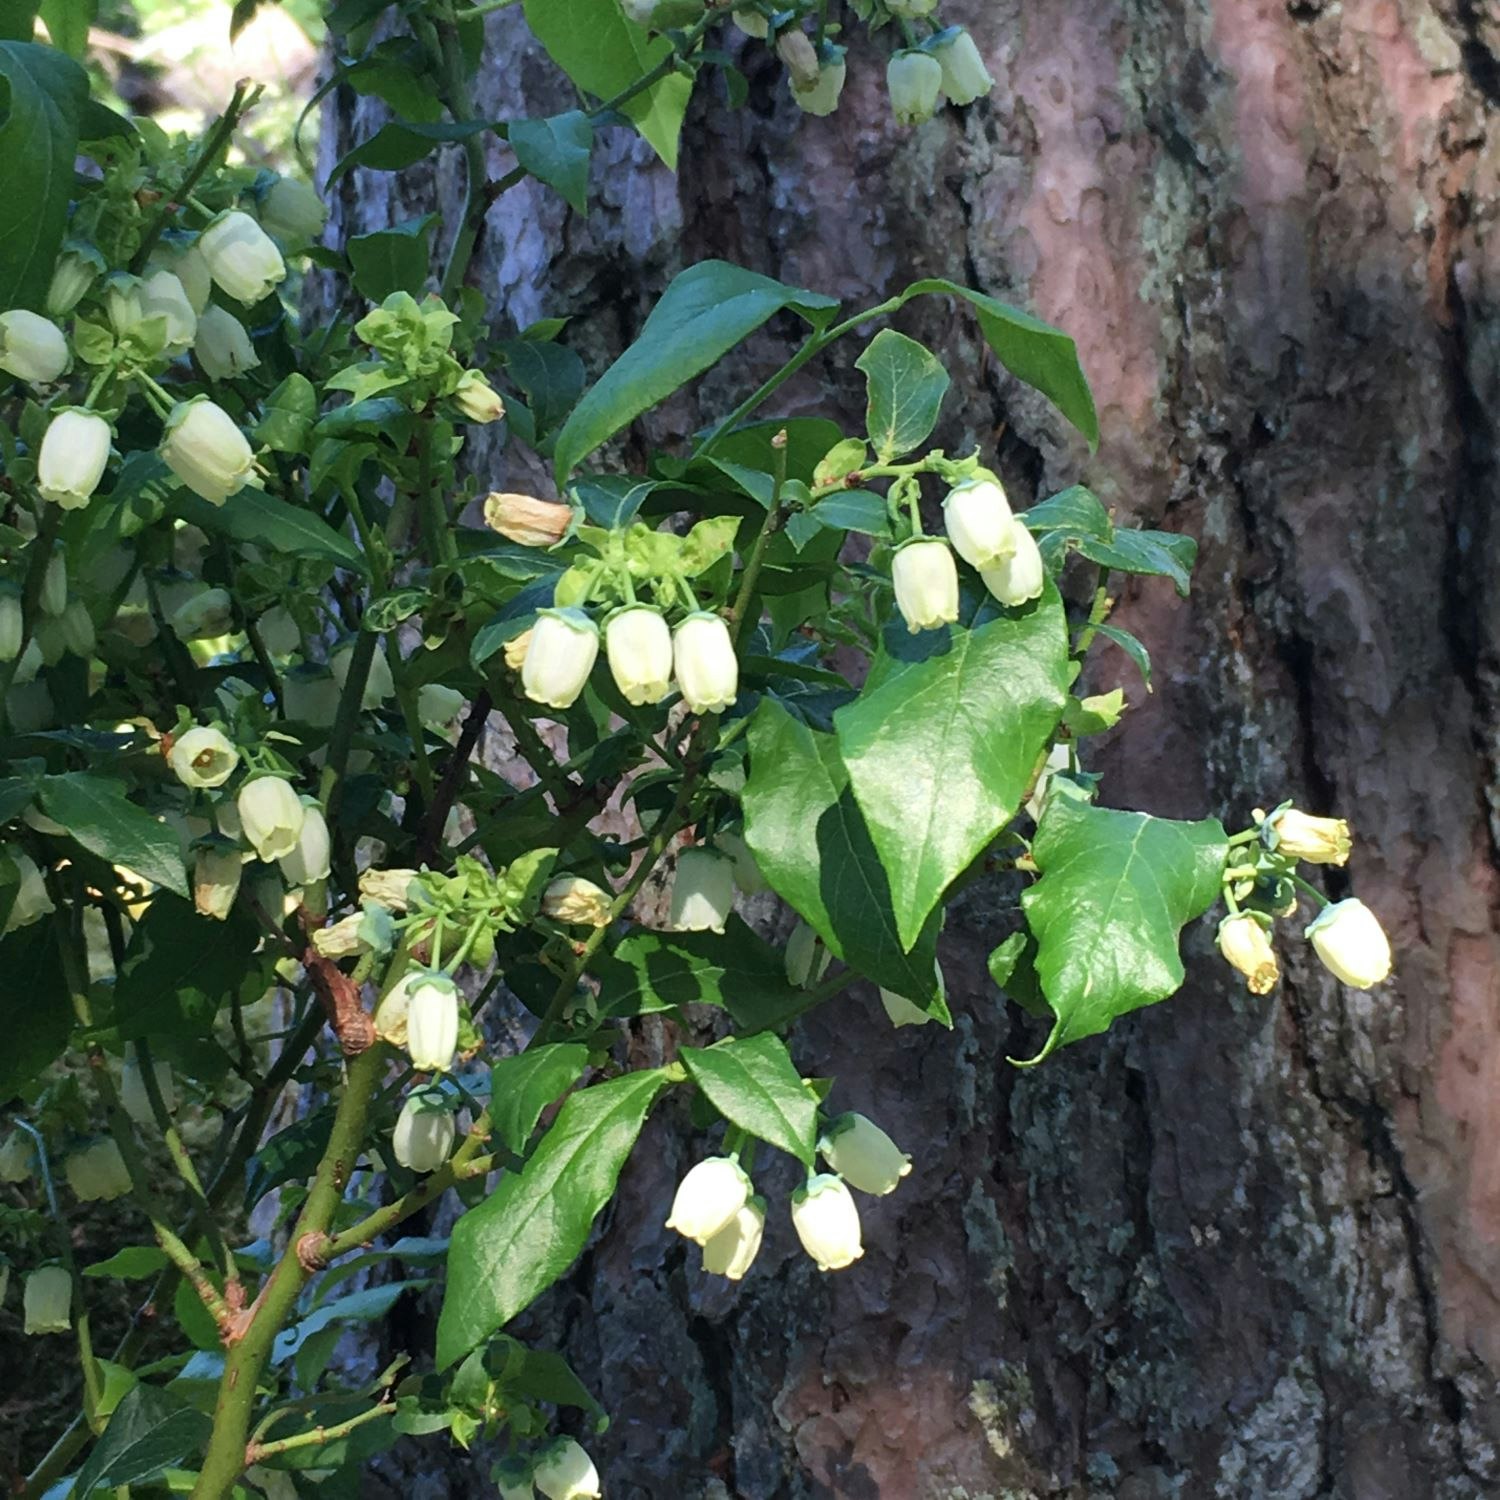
(99, 816)
(906, 389)
(556, 151)
(752, 1082)
(1116, 889)
(942, 743)
(506, 1252)
(130, 1264)
(521, 1087)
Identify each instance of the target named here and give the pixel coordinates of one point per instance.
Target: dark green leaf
(612, 500)
(392, 260)
(514, 1245)
(1156, 553)
(98, 815)
(1075, 512)
(401, 143)
(151, 1431)
(130, 1264)
(1132, 647)
(906, 390)
(544, 1376)
(17, 20)
(550, 375)
(854, 510)
(521, 1087)
(291, 1155)
(1013, 968)
(751, 1082)
(256, 516)
(556, 151)
(36, 1018)
(358, 1307)
(289, 413)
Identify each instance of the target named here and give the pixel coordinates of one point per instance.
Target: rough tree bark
(1238, 1247)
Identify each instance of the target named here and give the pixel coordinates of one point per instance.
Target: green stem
(1309, 889)
(316, 1436)
(454, 80)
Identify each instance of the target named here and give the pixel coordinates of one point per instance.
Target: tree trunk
(1237, 1247)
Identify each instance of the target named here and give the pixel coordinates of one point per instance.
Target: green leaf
(556, 151)
(1133, 648)
(288, 415)
(1116, 889)
(810, 841)
(42, 93)
(36, 1017)
(942, 743)
(17, 20)
(392, 260)
(97, 815)
(151, 1430)
(752, 1082)
(1013, 967)
(702, 315)
(1074, 512)
(401, 143)
(291, 1155)
(552, 378)
(1155, 553)
(68, 23)
(906, 389)
(256, 516)
(854, 510)
(513, 1246)
(1033, 351)
(130, 1264)
(521, 1087)
(604, 54)
(358, 1307)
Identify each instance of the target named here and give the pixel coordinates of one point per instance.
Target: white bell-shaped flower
(1349, 939)
(307, 862)
(204, 448)
(271, 815)
(914, 81)
(311, 695)
(702, 891)
(752, 23)
(1299, 835)
(1059, 758)
(807, 958)
(134, 1098)
(425, 1131)
(733, 1249)
(978, 520)
(864, 1155)
(32, 348)
(217, 872)
(708, 1198)
(827, 1222)
(12, 623)
(31, 901)
(77, 269)
(559, 657)
(638, 647)
(432, 1022)
(204, 617)
(97, 1172)
(747, 873)
(223, 345)
(203, 757)
(1023, 575)
(965, 77)
(74, 451)
(77, 626)
(926, 583)
(708, 671)
(439, 706)
(576, 901)
(47, 1303)
(380, 684)
(292, 210)
(566, 1472)
(1246, 946)
(164, 296)
(241, 257)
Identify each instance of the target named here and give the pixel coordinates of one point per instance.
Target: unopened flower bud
(733, 1249)
(439, 706)
(48, 1301)
(965, 77)
(1023, 575)
(204, 617)
(17, 1153)
(31, 901)
(821, 97)
(271, 815)
(1320, 841)
(702, 891)
(77, 269)
(135, 1098)
(1349, 939)
(708, 1198)
(752, 23)
(78, 628)
(432, 1022)
(380, 685)
(98, 1171)
(54, 596)
(241, 257)
(566, 1472)
(800, 58)
(425, 1131)
(564, 644)
(307, 861)
(12, 622)
(74, 451)
(122, 302)
(806, 957)
(914, 81)
(708, 672)
(216, 881)
(204, 448)
(223, 345)
(163, 296)
(203, 757)
(527, 521)
(658, 15)
(638, 646)
(827, 1222)
(477, 399)
(32, 348)
(864, 1155)
(343, 939)
(388, 888)
(576, 901)
(1246, 946)
(978, 520)
(292, 210)
(926, 583)
(747, 874)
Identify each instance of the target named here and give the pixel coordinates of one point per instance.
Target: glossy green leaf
(130, 1264)
(513, 1246)
(1115, 891)
(906, 388)
(811, 842)
(551, 377)
(521, 1087)
(287, 415)
(942, 743)
(752, 1082)
(401, 143)
(151, 1431)
(392, 260)
(1075, 521)
(854, 510)
(1132, 646)
(258, 517)
(556, 151)
(42, 94)
(365, 1306)
(701, 316)
(99, 816)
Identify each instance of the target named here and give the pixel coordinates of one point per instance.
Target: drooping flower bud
(821, 94)
(864, 1155)
(271, 815)
(708, 671)
(439, 706)
(77, 626)
(733, 1249)
(203, 757)
(1246, 946)
(54, 596)
(1349, 939)
(425, 1131)
(708, 1198)
(48, 1301)
(122, 302)
(561, 654)
(1320, 841)
(978, 520)
(31, 901)
(241, 257)
(432, 1022)
(17, 1153)
(135, 1099)
(806, 957)
(747, 874)
(388, 888)
(216, 881)
(74, 451)
(204, 617)
(702, 891)
(164, 296)
(800, 58)
(32, 348)
(566, 1472)
(926, 582)
(477, 399)
(638, 646)
(343, 939)
(223, 345)
(12, 622)
(380, 685)
(190, 268)
(576, 901)
(827, 1222)
(98, 1171)
(1059, 758)
(308, 860)
(77, 269)
(292, 210)
(1023, 575)
(914, 81)
(752, 23)
(965, 77)
(204, 448)
(527, 521)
